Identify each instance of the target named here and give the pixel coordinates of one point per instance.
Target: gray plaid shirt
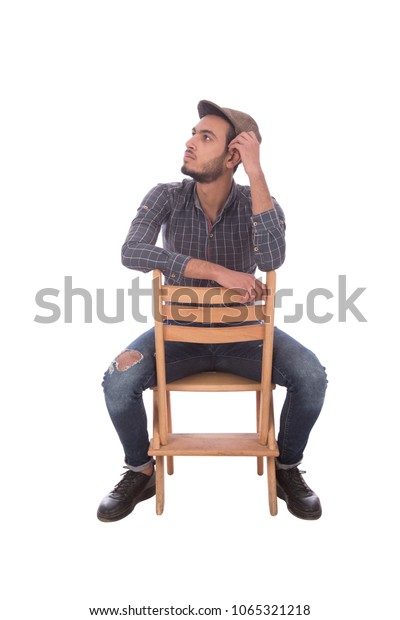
(237, 239)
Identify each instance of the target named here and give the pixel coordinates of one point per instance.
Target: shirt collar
(229, 201)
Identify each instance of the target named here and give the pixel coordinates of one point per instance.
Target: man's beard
(211, 171)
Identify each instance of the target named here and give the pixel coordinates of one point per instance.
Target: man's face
(206, 152)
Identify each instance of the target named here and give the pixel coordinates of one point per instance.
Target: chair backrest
(192, 314)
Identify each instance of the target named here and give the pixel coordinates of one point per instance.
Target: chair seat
(213, 444)
(213, 382)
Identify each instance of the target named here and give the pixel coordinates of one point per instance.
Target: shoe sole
(307, 516)
(146, 494)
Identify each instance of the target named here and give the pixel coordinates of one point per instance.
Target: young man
(215, 232)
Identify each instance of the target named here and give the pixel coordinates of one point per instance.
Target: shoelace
(296, 478)
(124, 485)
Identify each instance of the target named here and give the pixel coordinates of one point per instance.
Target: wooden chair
(177, 303)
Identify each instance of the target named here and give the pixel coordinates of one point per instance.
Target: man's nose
(191, 143)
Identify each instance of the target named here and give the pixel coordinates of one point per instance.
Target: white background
(98, 99)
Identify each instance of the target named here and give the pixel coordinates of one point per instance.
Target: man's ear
(234, 158)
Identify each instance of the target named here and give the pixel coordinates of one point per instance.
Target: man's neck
(213, 196)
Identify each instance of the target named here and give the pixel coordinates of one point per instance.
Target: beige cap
(239, 120)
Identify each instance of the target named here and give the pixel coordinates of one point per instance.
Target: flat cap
(240, 120)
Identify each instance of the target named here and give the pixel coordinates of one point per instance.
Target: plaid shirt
(237, 239)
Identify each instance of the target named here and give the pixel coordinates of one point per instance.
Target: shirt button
(211, 235)
(254, 223)
(256, 249)
(173, 275)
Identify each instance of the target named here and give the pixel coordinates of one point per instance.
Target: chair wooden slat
(214, 444)
(198, 295)
(213, 335)
(237, 314)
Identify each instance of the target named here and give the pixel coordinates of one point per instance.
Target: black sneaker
(301, 501)
(132, 489)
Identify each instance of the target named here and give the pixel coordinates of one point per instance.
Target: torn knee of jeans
(127, 359)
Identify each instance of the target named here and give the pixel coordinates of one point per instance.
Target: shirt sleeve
(269, 238)
(139, 250)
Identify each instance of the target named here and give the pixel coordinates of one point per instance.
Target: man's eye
(205, 137)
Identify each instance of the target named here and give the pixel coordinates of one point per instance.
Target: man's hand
(248, 148)
(245, 284)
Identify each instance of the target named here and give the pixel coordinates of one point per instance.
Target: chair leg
(160, 493)
(170, 465)
(260, 461)
(273, 502)
(170, 459)
(156, 424)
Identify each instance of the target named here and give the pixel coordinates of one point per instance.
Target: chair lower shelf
(213, 444)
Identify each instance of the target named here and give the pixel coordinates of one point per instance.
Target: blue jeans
(294, 367)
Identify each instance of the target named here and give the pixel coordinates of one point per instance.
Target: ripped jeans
(294, 367)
